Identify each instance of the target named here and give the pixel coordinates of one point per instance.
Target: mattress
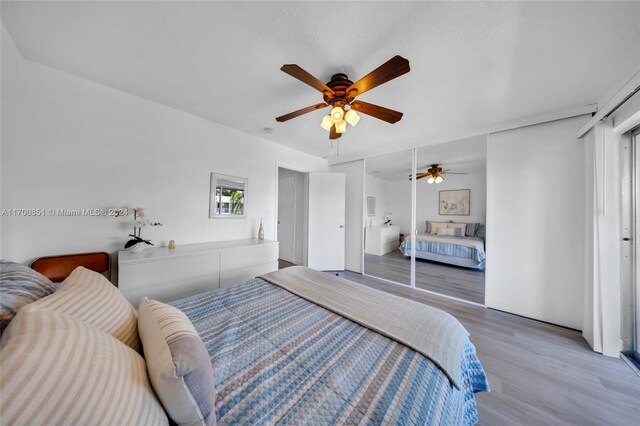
(280, 359)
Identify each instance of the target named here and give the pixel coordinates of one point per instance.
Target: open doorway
(292, 214)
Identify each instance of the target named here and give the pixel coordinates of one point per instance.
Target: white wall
(71, 143)
(536, 222)
(354, 214)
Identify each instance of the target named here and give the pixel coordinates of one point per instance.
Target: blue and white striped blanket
(280, 359)
(467, 247)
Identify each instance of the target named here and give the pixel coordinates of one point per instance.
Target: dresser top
(125, 256)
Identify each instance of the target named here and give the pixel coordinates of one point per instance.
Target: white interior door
(326, 221)
(287, 217)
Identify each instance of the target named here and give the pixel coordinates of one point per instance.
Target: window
(228, 197)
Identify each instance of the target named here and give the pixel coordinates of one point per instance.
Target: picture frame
(455, 202)
(371, 206)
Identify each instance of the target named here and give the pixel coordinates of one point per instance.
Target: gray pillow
(178, 363)
(472, 229)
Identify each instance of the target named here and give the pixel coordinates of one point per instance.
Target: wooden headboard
(57, 268)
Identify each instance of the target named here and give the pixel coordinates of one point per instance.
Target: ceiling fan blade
(394, 67)
(333, 134)
(381, 113)
(300, 112)
(454, 173)
(296, 72)
(419, 176)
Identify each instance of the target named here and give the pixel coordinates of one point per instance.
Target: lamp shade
(439, 179)
(430, 180)
(352, 117)
(327, 122)
(341, 126)
(336, 114)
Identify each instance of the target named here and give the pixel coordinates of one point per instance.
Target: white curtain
(602, 321)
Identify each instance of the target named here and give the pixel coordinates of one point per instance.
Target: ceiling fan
(340, 93)
(435, 173)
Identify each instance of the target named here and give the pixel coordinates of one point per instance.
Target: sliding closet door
(450, 208)
(388, 216)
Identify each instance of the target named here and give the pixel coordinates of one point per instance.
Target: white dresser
(166, 275)
(382, 239)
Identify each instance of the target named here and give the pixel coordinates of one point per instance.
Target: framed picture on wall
(455, 202)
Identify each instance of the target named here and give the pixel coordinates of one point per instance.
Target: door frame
(635, 257)
(283, 165)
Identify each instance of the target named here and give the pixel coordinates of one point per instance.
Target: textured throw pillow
(19, 286)
(178, 363)
(472, 229)
(450, 232)
(436, 226)
(481, 231)
(90, 297)
(461, 226)
(57, 369)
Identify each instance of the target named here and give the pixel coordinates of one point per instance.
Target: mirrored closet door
(445, 222)
(388, 216)
(450, 219)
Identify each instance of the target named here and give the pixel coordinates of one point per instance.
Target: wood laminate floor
(455, 281)
(540, 374)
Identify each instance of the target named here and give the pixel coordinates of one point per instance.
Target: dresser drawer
(248, 256)
(160, 271)
(390, 237)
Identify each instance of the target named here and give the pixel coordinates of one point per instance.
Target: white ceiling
(465, 156)
(473, 64)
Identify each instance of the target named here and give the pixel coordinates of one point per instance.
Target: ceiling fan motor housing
(339, 83)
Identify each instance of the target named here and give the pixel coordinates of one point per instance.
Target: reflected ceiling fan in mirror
(434, 173)
(340, 94)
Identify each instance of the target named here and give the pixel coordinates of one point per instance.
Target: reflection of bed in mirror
(460, 244)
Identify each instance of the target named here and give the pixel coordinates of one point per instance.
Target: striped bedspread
(436, 244)
(279, 359)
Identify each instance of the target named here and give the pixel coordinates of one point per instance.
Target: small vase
(261, 231)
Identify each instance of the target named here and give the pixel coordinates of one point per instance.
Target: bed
(279, 358)
(461, 250)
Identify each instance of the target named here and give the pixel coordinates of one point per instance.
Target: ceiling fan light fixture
(337, 114)
(327, 122)
(352, 117)
(341, 126)
(430, 180)
(439, 179)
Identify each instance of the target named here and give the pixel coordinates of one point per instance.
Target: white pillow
(90, 297)
(436, 226)
(57, 369)
(178, 364)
